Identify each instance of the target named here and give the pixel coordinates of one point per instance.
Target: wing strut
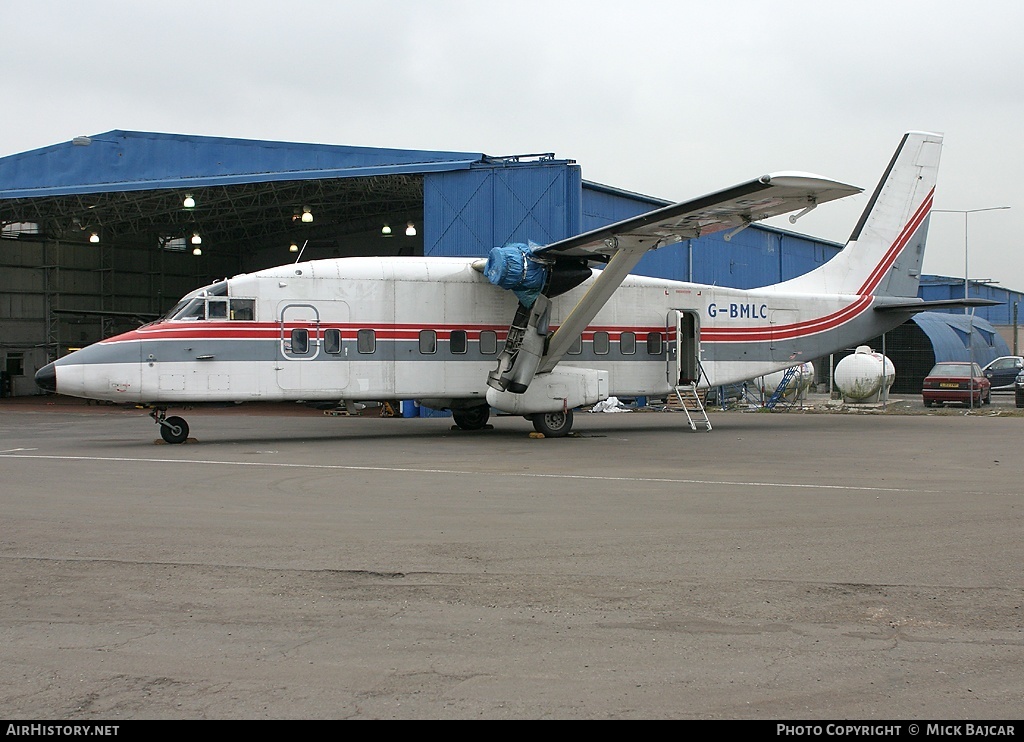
(597, 295)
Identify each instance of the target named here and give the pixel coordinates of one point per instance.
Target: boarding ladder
(780, 390)
(692, 404)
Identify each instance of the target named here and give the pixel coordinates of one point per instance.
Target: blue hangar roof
(130, 161)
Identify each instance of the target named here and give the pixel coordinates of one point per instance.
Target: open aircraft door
(683, 333)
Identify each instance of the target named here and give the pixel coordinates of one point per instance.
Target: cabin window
(627, 343)
(654, 343)
(488, 342)
(457, 341)
(601, 343)
(300, 342)
(428, 341)
(332, 341)
(243, 309)
(366, 341)
(577, 346)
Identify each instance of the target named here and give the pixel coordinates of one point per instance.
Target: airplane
(436, 329)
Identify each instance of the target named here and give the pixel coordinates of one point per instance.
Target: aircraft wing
(624, 243)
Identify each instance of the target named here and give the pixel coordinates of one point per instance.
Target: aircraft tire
(174, 430)
(553, 424)
(472, 418)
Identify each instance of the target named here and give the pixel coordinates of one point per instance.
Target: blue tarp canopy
(960, 337)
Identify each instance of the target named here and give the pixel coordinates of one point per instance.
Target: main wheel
(472, 418)
(553, 424)
(174, 430)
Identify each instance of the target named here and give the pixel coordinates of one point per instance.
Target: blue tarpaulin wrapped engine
(513, 267)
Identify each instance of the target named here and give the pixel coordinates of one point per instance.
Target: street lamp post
(968, 310)
(966, 212)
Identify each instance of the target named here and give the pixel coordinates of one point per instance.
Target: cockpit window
(243, 309)
(193, 310)
(217, 309)
(207, 304)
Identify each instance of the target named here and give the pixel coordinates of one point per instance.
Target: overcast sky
(672, 99)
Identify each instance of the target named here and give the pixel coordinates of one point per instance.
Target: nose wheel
(172, 429)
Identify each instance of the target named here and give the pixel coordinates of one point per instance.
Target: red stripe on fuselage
(896, 248)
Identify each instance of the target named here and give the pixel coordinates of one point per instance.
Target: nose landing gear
(172, 429)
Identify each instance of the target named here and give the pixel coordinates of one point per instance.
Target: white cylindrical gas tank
(864, 376)
(796, 387)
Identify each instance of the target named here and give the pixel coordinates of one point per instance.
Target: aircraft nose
(46, 377)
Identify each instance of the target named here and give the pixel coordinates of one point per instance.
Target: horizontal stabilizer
(928, 306)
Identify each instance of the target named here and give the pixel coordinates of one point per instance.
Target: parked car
(1003, 372)
(956, 381)
(1018, 390)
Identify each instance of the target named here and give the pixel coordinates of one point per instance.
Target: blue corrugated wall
(468, 212)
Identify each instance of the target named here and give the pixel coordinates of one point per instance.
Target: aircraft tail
(885, 252)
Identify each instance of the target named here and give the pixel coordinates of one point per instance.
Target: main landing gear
(472, 418)
(172, 429)
(552, 424)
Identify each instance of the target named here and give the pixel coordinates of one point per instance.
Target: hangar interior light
(94, 238)
(410, 230)
(196, 239)
(293, 247)
(307, 215)
(386, 230)
(189, 202)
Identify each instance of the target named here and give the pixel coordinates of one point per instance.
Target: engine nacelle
(562, 389)
(524, 348)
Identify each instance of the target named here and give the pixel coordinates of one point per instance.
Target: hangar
(104, 232)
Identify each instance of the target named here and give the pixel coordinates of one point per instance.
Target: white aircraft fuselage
(432, 328)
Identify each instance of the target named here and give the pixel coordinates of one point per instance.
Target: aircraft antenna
(299, 256)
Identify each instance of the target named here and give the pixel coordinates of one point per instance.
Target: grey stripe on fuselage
(179, 351)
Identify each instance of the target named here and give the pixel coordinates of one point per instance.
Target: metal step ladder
(692, 405)
(780, 390)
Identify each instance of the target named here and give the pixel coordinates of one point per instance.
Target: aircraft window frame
(491, 346)
(242, 306)
(366, 341)
(217, 308)
(428, 342)
(458, 342)
(299, 339)
(193, 310)
(332, 341)
(627, 348)
(602, 343)
(577, 346)
(655, 343)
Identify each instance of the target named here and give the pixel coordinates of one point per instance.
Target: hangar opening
(103, 233)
